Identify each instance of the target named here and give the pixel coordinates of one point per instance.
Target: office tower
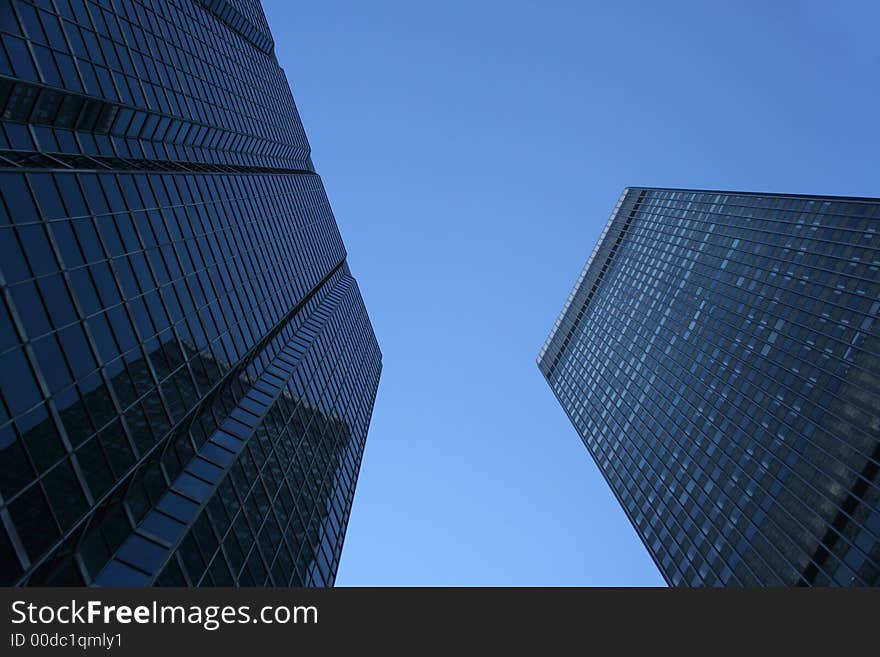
(720, 358)
(187, 367)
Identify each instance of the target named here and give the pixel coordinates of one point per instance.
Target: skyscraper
(187, 367)
(720, 358)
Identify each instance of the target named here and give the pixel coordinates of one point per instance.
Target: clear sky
(472, 152)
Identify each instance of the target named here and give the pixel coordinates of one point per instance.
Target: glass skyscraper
(720, 358)
(187, 369)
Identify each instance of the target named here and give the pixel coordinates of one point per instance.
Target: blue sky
(472, 152)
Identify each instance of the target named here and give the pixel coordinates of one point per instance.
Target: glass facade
(187, 369)
(720, 358)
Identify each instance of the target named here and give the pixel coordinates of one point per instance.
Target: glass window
(14, 93)
(116, 447)
(57, 300)
(94, 194)
(103, 337)
(21, 60)
(34, 521)
(17, 198)
(47, 195)
(65, 494)
(41, 437)
(68, 116)
(105, 282)
(84, 289)
(122, 328)
(74, 415)
(107, 229)
(31, 311)
(8, 335)
(143, 553)
(88, 239)
(12, 261)
(64, 237)
(112, 192)
(68, 73)
(45, 110)
(16, 472)
(19, 388)
(95, 467)
(46, 62)
(52, 364)
(36, 247)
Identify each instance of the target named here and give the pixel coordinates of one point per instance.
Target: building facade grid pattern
(163, 80)
(725, 376)
(166, 253)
